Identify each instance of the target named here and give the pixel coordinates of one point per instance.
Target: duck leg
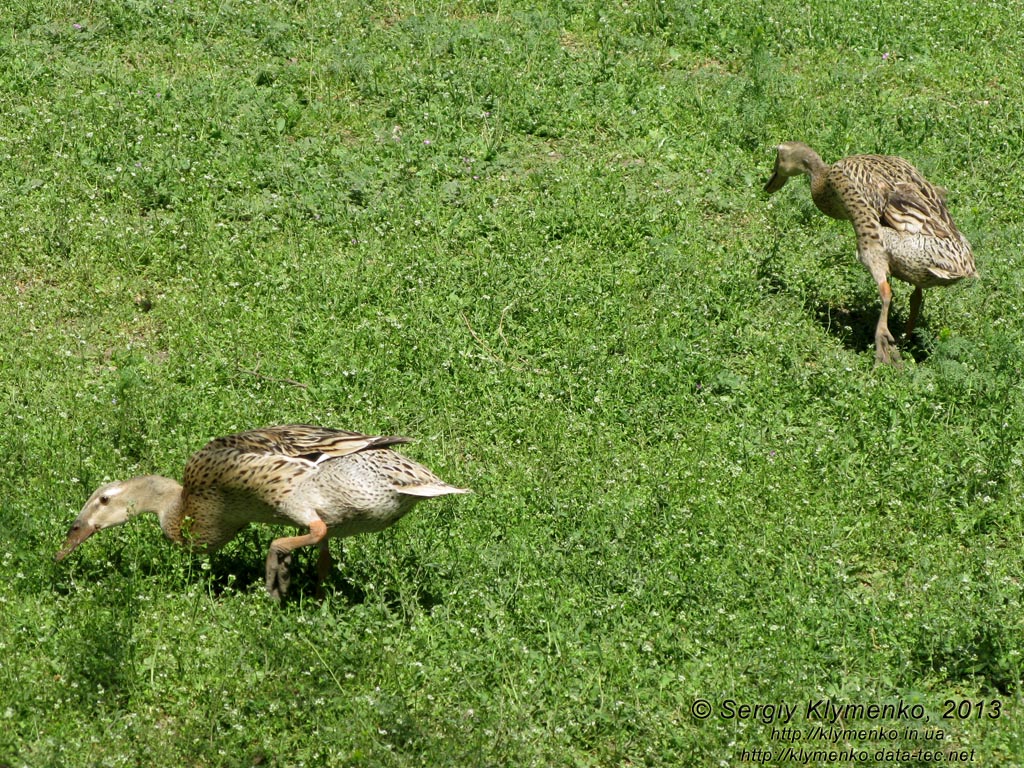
(916, 298)
(324, 564)
(886, 351)
(873, 254)
(279, 557)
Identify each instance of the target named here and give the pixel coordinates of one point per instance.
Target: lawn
(534, 238)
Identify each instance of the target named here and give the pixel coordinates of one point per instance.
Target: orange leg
(323, 566)
(885, 345)
(280, 556)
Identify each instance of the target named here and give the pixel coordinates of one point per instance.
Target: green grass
(533, 237)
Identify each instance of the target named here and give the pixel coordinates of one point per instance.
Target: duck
(900, 219)
(332, 482)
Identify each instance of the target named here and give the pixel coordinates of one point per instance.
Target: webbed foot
(886, 351)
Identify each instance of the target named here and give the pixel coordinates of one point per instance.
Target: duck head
(792, 158)
(117, 503)
(107, 507)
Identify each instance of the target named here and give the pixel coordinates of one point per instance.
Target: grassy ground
(533, 237)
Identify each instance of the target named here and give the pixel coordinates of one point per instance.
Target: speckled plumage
(901, 221)
(336, 483)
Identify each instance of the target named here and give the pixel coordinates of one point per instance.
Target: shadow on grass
(240, 570)
(979, 655)
(854, 327)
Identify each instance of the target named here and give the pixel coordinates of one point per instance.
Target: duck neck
(161, 495)
(821, 193)
(815, 167)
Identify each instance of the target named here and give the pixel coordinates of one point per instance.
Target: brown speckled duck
(901, 221)
(333, 482)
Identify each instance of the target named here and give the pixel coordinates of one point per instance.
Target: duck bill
(79, 532)
(776, 182)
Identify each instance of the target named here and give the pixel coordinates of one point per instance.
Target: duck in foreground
(901, 221)
(333, 482)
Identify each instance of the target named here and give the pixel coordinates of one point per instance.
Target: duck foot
(278, 573)
(886, 351)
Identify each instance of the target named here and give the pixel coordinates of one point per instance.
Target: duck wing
(303, 442)
(268, 463)
(917, 207)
